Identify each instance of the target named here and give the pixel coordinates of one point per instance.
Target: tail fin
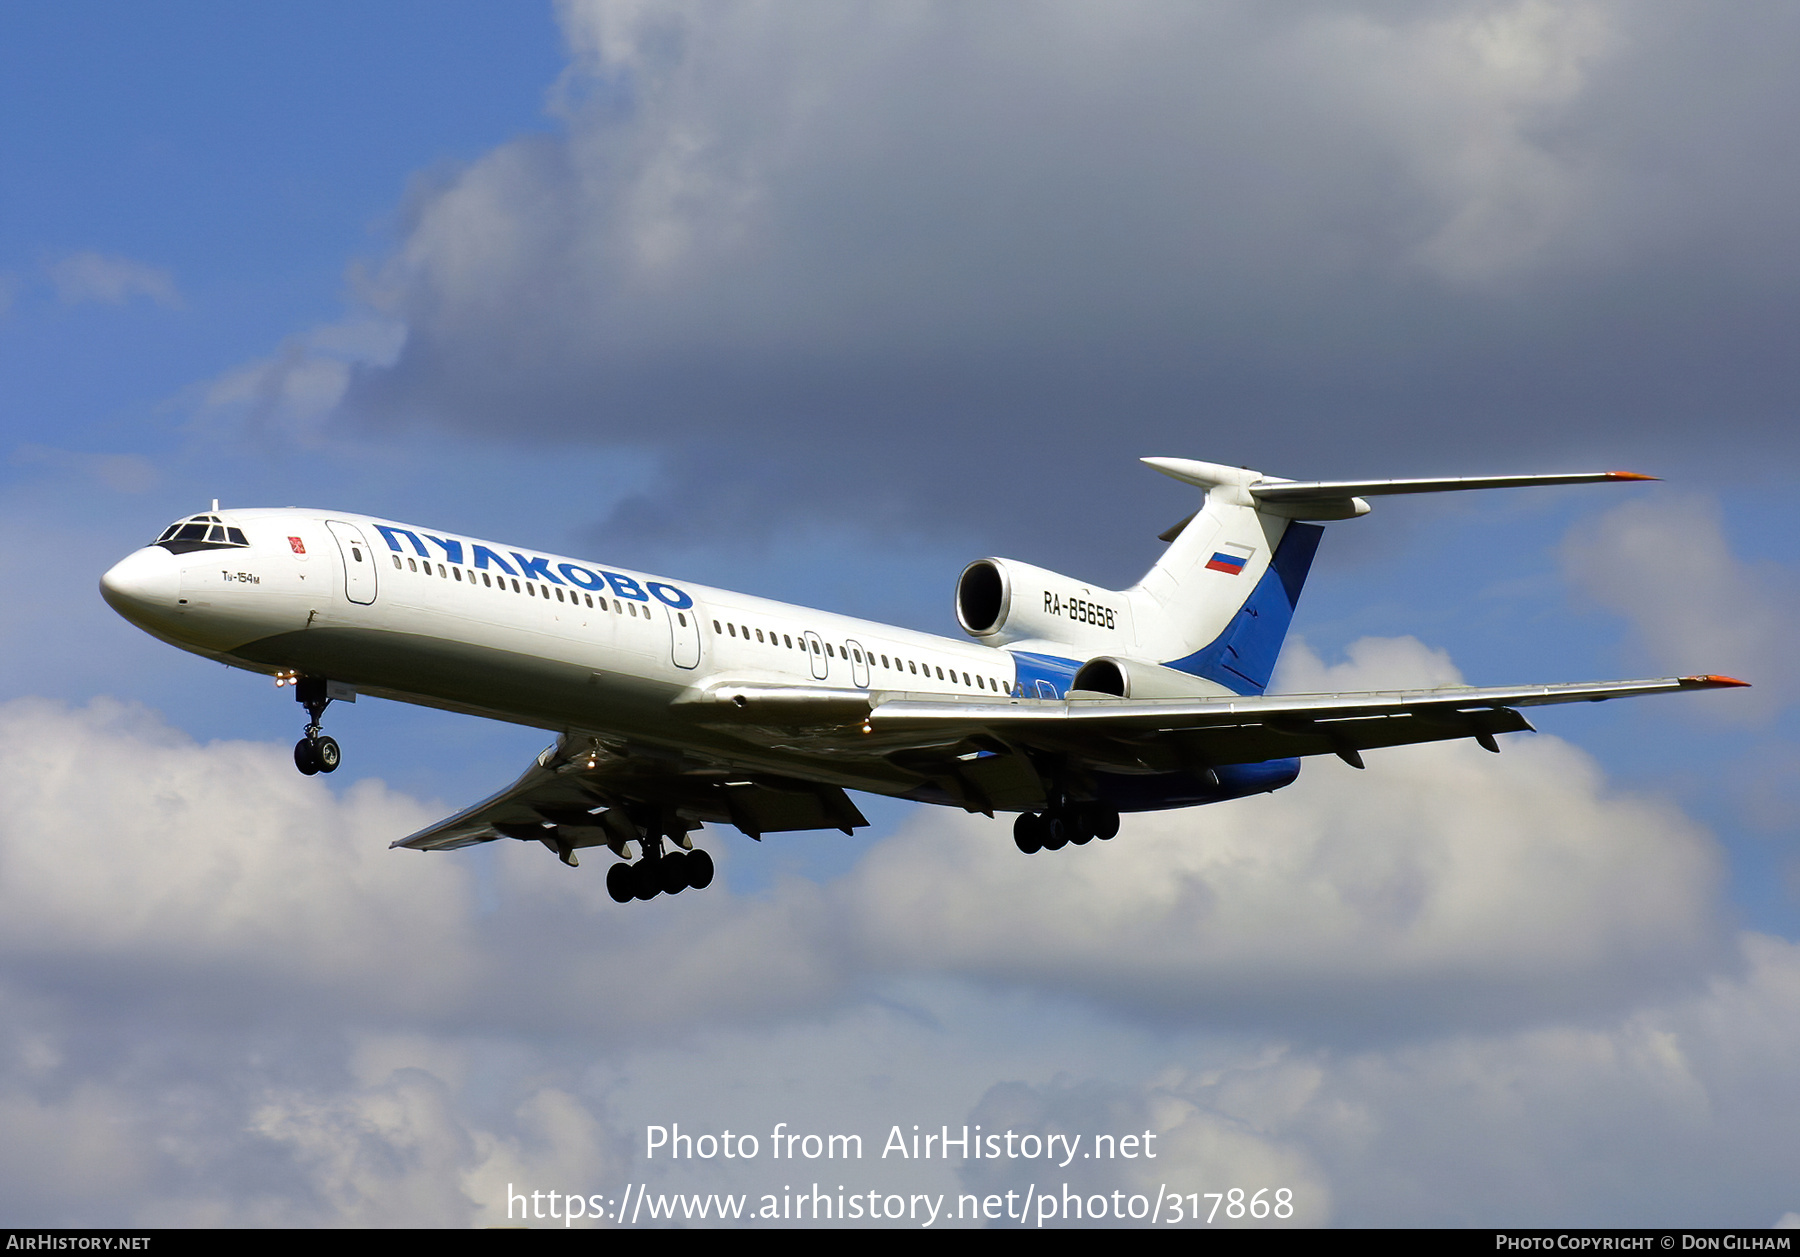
(1227, 586)
(1228, 583)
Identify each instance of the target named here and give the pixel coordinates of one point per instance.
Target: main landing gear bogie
(668, 873)
(1057, 827)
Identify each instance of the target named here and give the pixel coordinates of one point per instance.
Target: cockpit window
(201, 532)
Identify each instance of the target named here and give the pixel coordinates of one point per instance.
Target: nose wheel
(314, 752)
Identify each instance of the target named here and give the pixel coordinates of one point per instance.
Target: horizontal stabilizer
(1306, 491)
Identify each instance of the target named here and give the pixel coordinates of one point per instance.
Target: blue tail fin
(1242, 657)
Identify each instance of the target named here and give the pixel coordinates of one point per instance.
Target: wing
(1174, 734)
(581, 794)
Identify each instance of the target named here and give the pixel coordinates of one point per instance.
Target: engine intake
(1002, 600)
(1134, 678)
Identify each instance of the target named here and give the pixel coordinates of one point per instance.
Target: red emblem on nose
(299, 545)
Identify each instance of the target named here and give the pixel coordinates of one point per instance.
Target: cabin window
(732, 629)
(682, 616)
(559, 596)
(828, 653)
(759, 635)
(940, 673)
(457, 572)
(397, 566)
(590, 599)
(856, 655)
(487, 580)
(530, 590)
(716, 628)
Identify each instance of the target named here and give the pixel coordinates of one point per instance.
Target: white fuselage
(401, 612)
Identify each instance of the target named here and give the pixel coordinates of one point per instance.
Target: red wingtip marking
(1629, 475)
(1715, 680)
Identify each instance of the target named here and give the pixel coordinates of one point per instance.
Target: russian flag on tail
(1231, 564)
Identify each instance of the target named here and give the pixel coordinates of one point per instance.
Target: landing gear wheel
(1106, 823)
(306, 756)
(618, 883)
(1081, 827)
(1028, 833)
(672, 876)
(326, 753)
(699, 870)
(644, 882)
(1056, 831)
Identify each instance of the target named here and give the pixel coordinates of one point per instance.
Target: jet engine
(1002, 600)
(1134, 678)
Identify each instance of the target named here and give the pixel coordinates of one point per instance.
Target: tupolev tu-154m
(676, 705)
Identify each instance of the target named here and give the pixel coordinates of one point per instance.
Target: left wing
(1170, 734)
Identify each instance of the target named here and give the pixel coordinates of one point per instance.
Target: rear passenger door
(815, 652)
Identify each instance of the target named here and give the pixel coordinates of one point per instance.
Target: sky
(821, 304)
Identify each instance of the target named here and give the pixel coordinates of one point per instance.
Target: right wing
(579, 794)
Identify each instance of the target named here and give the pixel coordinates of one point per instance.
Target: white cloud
(107, 279)
(290, 396)
(1441, 885)
(1420, 993)
(124, 847)
(1693, 605)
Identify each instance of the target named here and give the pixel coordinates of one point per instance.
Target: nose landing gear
(313, 753)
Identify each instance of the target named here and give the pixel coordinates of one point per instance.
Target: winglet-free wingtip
(1629, 475)
(1714, 682)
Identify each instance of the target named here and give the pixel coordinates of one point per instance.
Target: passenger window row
(846, 652)
(620, 606)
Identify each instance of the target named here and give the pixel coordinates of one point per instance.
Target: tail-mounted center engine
(1136, 678)
(999, 601)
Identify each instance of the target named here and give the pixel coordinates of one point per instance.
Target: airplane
(677, 705)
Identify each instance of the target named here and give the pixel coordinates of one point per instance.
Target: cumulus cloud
(953, 243)
(107, 279)
(1400, 994)
(1606, 1122)
(1693, 605)
(1485, 888)
(288, 397)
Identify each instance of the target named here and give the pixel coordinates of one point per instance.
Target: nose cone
(143, 585)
